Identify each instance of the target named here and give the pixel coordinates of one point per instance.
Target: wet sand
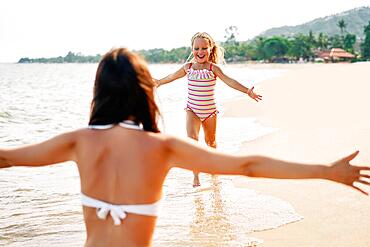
(321, 112)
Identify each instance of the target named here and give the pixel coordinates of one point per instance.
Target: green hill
(355, 19)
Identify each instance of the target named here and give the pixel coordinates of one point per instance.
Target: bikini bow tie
(116, 212)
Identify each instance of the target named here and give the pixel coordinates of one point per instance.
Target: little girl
(202, 73)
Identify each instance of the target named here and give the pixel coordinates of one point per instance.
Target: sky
(50, 28)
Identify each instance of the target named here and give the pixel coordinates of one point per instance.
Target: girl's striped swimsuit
(201, 87)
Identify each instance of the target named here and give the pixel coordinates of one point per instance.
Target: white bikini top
(128, 124)
(119, 212)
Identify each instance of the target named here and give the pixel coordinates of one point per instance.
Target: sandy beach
(321, 113)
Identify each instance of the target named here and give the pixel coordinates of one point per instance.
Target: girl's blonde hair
(217, 51)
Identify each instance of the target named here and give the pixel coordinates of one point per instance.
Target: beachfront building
(335, 55)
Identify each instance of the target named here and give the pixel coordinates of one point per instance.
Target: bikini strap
(190, 65)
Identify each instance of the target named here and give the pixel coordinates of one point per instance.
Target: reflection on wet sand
(211, 226)
(214, 222)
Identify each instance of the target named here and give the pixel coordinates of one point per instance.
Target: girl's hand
(156, 82)
(343, 172)
(253, 95)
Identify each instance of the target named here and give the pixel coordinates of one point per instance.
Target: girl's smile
(201, 50)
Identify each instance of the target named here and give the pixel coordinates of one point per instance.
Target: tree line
(270, 49)
(276, 48)
(69, 58)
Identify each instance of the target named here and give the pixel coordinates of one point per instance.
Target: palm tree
(311, 39)
(342, 25)
(365, 46)
(231, 34)
(322, 41)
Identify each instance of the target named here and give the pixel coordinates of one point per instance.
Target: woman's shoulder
(159, 137)
(83, 134)
(74, 134)
(171, 142)
(164, 139)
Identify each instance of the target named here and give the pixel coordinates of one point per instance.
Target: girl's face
(201, 50)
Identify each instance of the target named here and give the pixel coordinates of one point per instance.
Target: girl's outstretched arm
(177, 75)
(235, 84)
(55, 150)
(189, 155)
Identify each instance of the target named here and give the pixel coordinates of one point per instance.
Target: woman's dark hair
(123, 90)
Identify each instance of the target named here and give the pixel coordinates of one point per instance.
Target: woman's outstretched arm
(189, 155)
(55, 150)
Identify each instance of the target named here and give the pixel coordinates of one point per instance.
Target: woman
(123, 159)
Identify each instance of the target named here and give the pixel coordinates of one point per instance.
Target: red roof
(335, 53)
(340, 53)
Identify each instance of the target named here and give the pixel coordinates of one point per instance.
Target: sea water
(41, 206)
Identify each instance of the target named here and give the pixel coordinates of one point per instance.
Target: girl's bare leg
(209, 128)
(192, 128)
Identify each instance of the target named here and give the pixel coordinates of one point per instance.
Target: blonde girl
(202, 72)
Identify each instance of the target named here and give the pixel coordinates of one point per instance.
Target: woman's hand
(253, 95)
(343, 172)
